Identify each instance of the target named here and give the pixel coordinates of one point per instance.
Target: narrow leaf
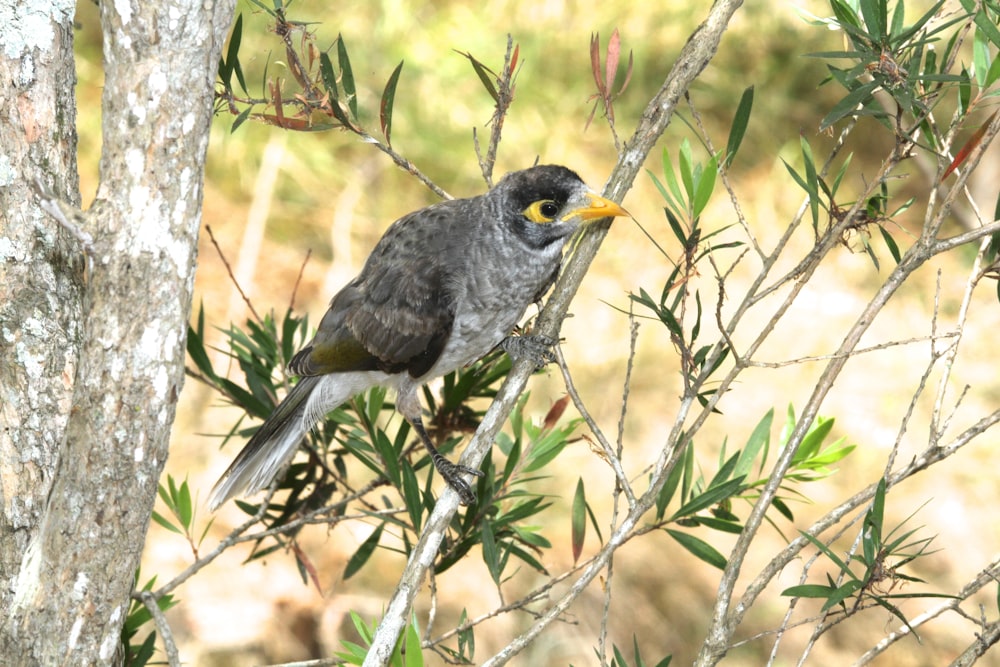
(184, 507)
(890, 244)
(484, 75)
(704, 187)
(701, 549)
(385, 107)
(579, 520)
(490, 555)
(969, 146)
(347, 76)
(757, 441)
(363, 553)
(739, 128)
(809, 591)
(158, 518)
(848, 105)
(709, 497)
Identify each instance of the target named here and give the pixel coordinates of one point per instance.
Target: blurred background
(273, 197)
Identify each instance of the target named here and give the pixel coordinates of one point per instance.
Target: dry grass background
(270, 198)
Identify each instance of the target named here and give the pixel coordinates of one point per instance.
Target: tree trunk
(92, 345)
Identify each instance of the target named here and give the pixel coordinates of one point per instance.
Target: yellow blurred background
(272, 197)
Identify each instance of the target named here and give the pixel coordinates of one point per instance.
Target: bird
(443, 287)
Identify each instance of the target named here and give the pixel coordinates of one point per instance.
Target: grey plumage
(443, 287)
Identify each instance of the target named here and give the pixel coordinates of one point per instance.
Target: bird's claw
(535, 347)
(452, 473)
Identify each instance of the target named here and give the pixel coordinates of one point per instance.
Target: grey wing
(405, 311)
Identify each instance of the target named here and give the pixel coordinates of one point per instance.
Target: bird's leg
(451, 472)
(536, 347)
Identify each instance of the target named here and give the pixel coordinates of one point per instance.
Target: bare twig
(610, 456)
(232, 276)
(505, 97)
(166, 635)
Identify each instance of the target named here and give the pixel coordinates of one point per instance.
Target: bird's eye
(544, 210)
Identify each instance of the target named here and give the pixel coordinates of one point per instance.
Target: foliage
(360, 464)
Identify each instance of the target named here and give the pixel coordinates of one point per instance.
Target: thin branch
(505, 97)
(610, 456)
(232, 276)
(166, 635)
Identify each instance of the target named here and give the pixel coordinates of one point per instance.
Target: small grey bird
(443, 287)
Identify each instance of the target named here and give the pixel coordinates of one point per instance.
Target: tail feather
(270, 448)
(273, 445)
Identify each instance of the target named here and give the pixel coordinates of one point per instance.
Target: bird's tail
(270, 448)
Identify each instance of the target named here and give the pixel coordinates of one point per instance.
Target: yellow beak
(598, 208)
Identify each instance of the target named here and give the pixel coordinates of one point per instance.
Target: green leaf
(385, 108)
(848, 105)
(739, 127)
(363, 553)
(486, 76)
(809, 591)
(491, 555)
(185, 510)
(241, 119)
(412, 496)
(964, 92)
(158, 518)
(578, 520)
(390, 462)
(672, 183)
(890, 243)
(830, 554)
(685, 164)
(709, 497)
(699, 548)
(759, 440)
(874, 13)
(619, 657)
(721, 525)
(675, 226)
(986, 24)
(232, 62)
(412, 655)
(993, 73)
(196, 347)
(811, 180)
(705, 186)
(813, 439)
(785, 511)
(347, 76)
(898, 17)
(725, 470)
(842, 593)
(669, 487)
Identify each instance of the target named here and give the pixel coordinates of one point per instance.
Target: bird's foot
(535, 347)
(452, 473)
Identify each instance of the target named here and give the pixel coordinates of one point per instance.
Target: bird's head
(546, 203)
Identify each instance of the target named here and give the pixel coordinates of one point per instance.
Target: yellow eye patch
(541, 211)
